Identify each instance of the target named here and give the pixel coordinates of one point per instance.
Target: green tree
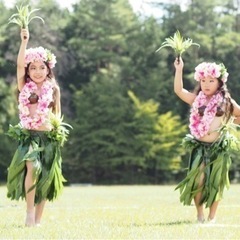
(8, 115)
(95, 36)
(159, 137)
(118, 141)
(102, 138)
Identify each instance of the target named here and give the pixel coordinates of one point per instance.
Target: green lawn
(120, 212)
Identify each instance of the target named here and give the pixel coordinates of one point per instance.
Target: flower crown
(40, 54)
(213, 70)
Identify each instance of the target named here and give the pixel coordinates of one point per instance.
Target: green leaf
(23, 16)
(178, 44)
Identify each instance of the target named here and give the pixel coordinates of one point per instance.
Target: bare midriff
(213, 132)
(44, 127)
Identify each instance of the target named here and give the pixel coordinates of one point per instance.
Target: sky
(63, 3)
(140, 6)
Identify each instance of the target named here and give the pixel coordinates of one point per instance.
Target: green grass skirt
(215, 157)
(45, 154)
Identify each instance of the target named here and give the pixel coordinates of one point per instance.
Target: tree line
(117, 92)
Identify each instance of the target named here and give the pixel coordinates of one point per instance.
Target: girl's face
(38, 71)
(209, 86)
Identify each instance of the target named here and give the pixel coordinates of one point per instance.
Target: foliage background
(117, 92)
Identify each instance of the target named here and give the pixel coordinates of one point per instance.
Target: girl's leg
(197, 199)
(39, 212)
(200, 213)
(212, 211)
(29, 181)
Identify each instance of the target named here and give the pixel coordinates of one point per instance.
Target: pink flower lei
(200, 125)
(42, 111)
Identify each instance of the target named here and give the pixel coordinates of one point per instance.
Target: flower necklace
(42, 110)
(200, 125)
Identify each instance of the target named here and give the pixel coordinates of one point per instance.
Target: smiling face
(38, 71)
(209, 85)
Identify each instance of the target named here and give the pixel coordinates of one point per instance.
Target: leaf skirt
(45, 155)
(210, 162)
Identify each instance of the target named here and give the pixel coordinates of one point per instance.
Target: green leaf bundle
(178, 44)
(23, 16)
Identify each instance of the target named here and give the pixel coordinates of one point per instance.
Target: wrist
(179, 70)
(24, 42)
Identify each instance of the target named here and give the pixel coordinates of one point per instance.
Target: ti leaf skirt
(45, 154)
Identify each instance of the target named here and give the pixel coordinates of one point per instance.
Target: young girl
(211, 109)
(35, 171)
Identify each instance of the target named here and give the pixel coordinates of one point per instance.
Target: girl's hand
(178, 63)
(24, 34)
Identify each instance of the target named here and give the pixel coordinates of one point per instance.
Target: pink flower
(206, 69)
(200, 125)
(40, 54)
(42, 111)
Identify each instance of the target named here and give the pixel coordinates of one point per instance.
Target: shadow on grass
(15, 226)
(177, 223)
(173, 223)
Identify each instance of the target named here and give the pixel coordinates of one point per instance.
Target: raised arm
(58, 102)
(236, 112)
(21, 58)
(181, 92)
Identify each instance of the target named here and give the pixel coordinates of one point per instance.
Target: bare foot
(211, 220)
(30, 219)
(200, 219)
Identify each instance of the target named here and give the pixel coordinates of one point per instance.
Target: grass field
(120, 212)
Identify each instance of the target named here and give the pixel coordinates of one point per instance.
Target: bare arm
(236, 112)
(181, 92)
(21, 59)
(58, 102)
